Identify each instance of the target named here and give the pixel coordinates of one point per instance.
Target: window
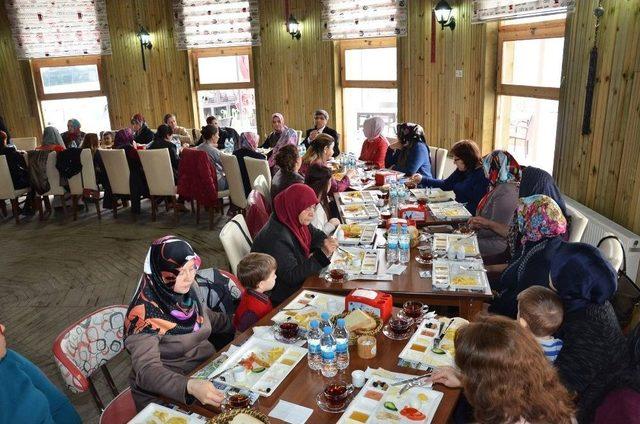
(529, 75)
(369, 87)
(224, 86)
(72, 88)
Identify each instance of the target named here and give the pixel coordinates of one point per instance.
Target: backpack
(218, 292)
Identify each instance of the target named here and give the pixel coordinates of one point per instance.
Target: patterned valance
(342, 19)
(216, 23)
(493, 10)
(56, 28)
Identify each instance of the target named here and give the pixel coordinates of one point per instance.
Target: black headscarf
(409, 134)
(581, 276)
(156, 308)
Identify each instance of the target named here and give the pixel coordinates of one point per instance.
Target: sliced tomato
(412, 413)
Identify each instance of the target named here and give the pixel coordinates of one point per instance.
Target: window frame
(368, 43)
(527, 31)
(216, 52)
(38, 64)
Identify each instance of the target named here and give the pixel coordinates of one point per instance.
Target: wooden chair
(85, 347)
(236, 241)
(115, 163)
(55, 189)
(157, 168)
(8, 191)
(438, 158)
(25, 143)
(234, 179)
(257, 167)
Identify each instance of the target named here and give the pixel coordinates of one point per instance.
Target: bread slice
(358, 320)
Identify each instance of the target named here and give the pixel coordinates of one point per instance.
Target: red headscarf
(289, 204)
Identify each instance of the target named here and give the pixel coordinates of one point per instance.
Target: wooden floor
(54, 272)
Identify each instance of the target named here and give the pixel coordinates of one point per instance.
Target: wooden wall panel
(449, 108)
(293, 77)
(165, 86)
(601, 169)
(17, 98)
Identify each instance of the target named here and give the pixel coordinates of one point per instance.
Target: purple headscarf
(124, 137)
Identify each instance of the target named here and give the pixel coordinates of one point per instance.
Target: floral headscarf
(247, 140)
(499, 168)
(539, 217)
(409, 134)
(156, 308)
(288, 136)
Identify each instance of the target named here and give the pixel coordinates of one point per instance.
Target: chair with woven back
(87, 346)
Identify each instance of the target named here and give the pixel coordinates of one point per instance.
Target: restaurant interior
(320, 211)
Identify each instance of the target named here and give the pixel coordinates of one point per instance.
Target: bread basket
(353, 335)
(227, 417)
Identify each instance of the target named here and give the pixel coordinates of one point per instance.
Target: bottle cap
(327, 330)
(314, 323)
(340, 322)
(325, 316)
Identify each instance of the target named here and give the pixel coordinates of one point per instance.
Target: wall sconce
(145, 42)
(443, 15)
(293, 27)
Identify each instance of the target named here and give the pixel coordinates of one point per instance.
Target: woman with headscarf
(288, 136)
(500, 202)
(142, 133)
(277, 122)
(319, 177)
(300, 249)
(320, 120)
(468, 181)
(73, 136)
(51, 140)
(246, 147)
(595, 360)
(374, 148)
(410, 154)
(541, 223)
(167, 328)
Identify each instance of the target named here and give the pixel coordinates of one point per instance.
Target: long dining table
(409, 285)
(303, 384)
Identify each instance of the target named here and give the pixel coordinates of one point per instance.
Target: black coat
(595, 358)
(144, 136)
(328, 131)
(278, 241)
(241, 154)
(17, 167)
(282, 180)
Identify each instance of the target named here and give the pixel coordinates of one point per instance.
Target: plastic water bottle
(328, 350)
(393, 199)
(342, 344)
(228, 146)
(313, 340)
(403, 245)
(324, 322)
(392, 245)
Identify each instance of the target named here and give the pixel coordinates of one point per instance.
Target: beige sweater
(160, 364)
(184, 135)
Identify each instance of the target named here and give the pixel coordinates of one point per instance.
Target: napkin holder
(374, 302)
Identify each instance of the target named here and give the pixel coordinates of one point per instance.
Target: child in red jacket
(257, 273)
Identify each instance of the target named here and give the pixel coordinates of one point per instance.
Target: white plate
(433, 195)
(445, 271)
(449, 210)
(360, 211)
(410, 398)
(442, 242)
(367, 236)
(349, 197)
(318, 303)
(266, 382)
(146, 416)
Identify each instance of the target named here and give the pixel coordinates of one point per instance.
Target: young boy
(257, 273)
(540, 309)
